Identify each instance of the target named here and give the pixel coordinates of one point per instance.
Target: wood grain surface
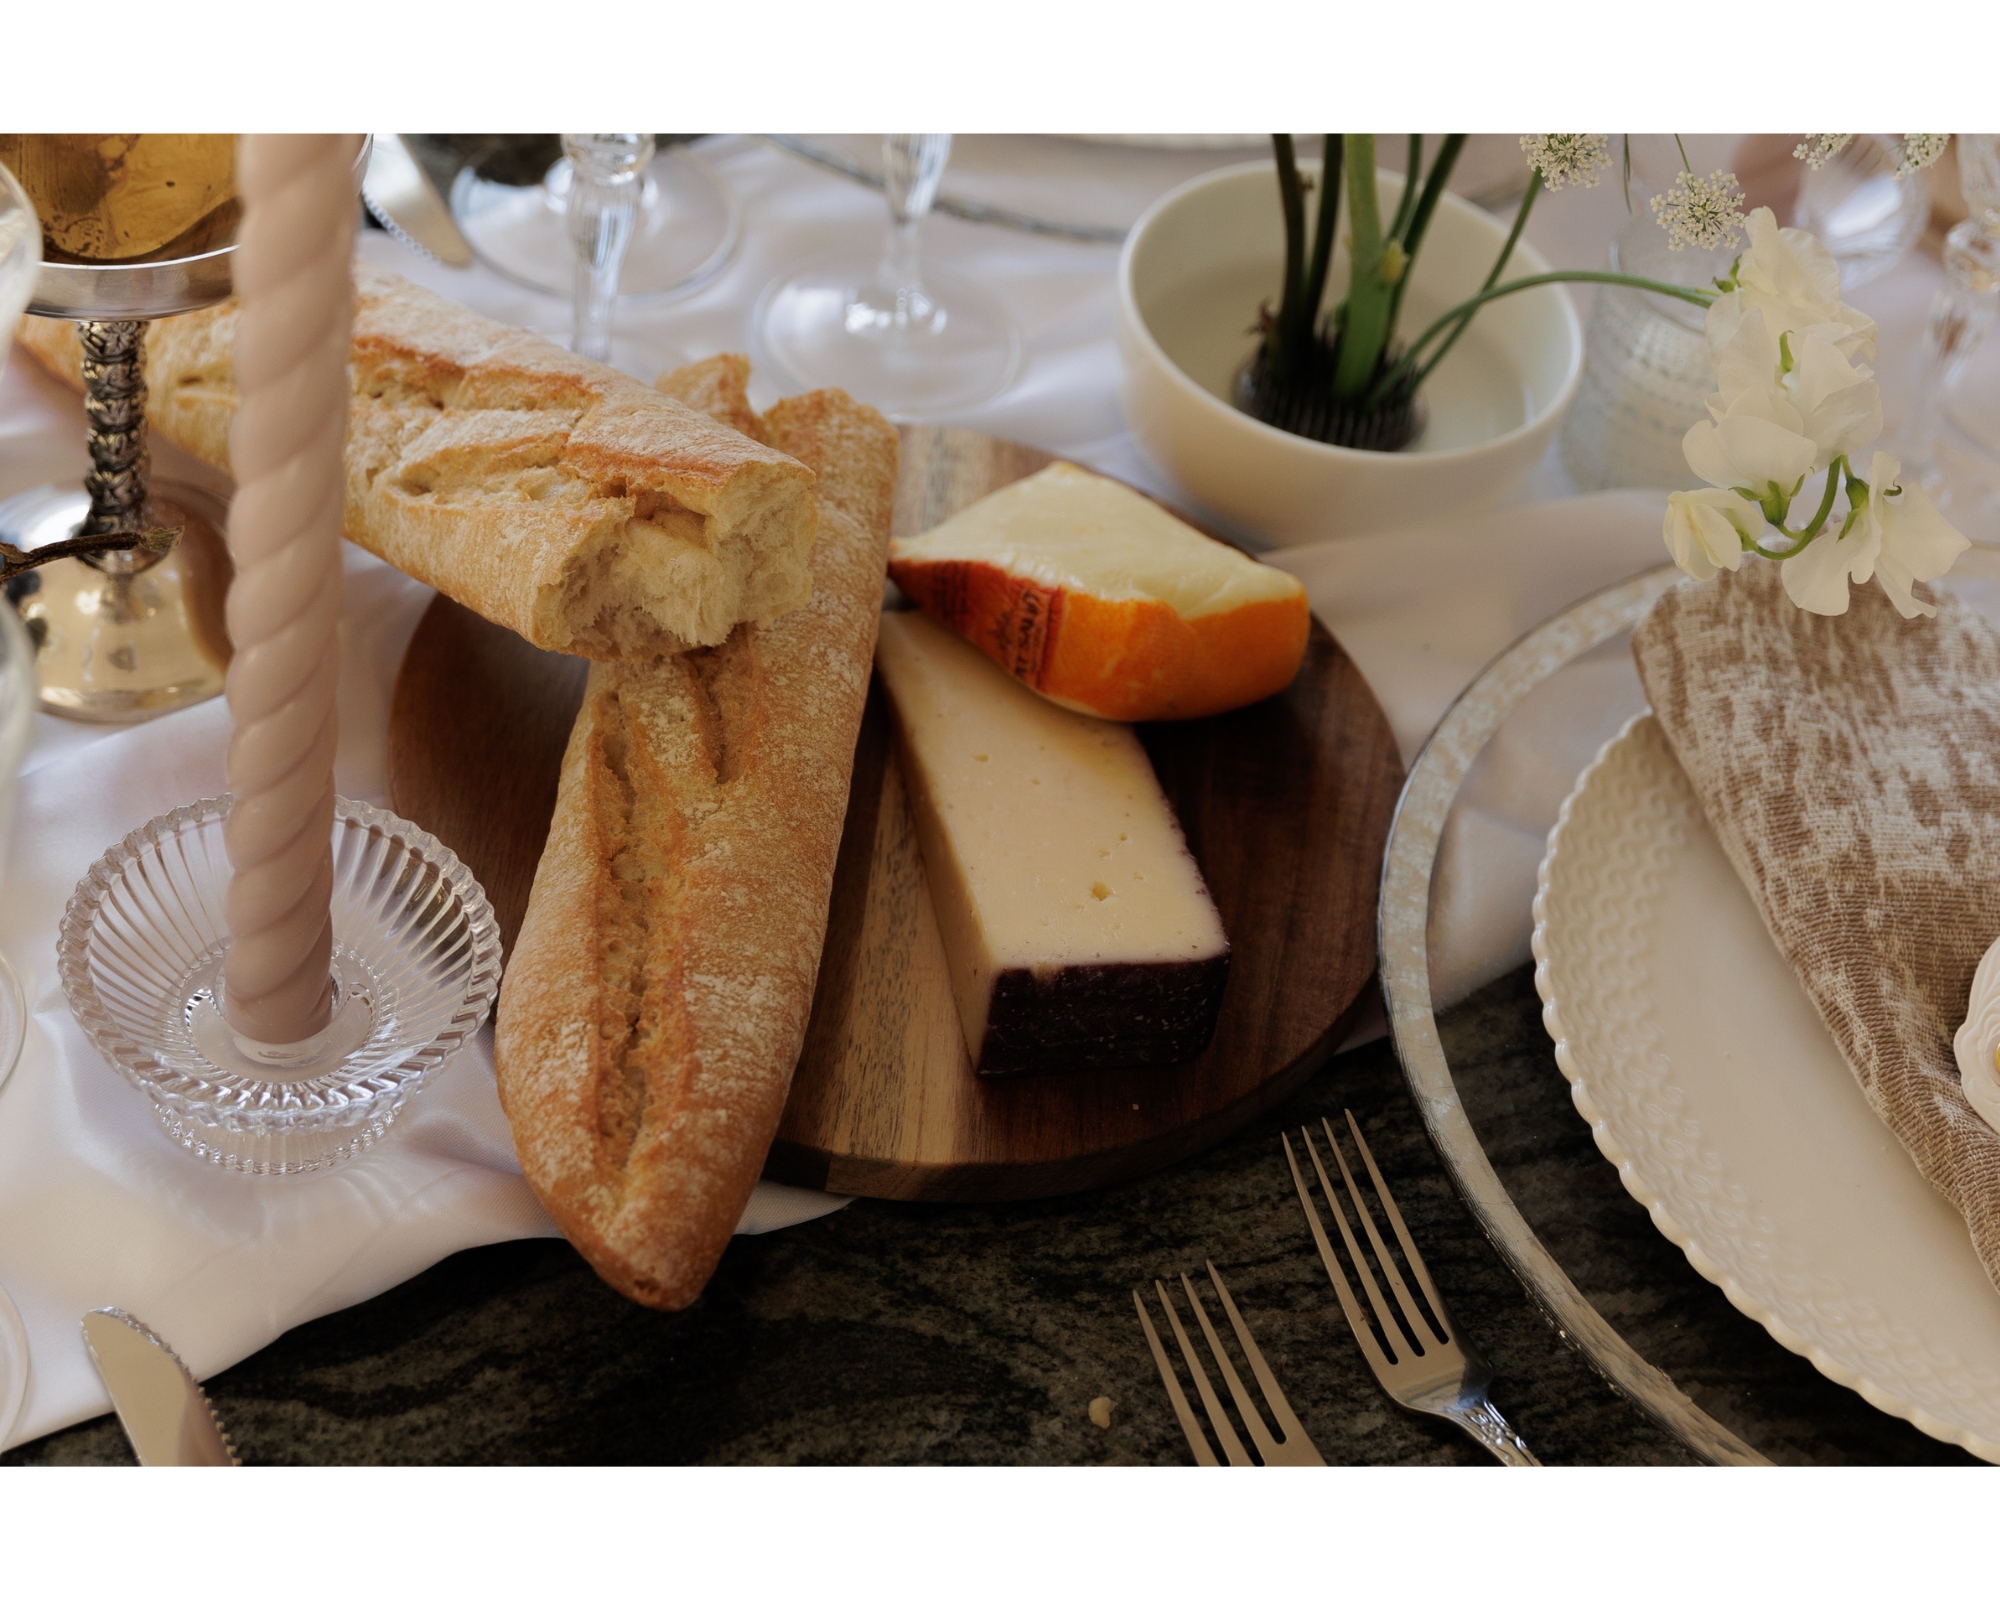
(1286, 805)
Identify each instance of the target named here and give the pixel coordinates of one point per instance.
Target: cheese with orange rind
(1106, 603)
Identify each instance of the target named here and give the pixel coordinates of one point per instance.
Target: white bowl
(1193, 272)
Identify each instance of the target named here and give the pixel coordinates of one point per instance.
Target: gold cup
(134, 227)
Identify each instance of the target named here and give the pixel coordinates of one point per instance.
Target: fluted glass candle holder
(416, 963)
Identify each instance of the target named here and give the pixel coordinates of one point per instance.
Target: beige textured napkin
(1850, 767)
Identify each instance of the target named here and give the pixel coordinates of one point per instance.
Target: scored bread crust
(657, 996)
(550, 494)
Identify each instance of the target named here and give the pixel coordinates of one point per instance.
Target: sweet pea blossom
(1895, 536)
(1917, 544)
(1794, 281)
(1706, 529)
(1795, 398)
(1755, 444)
(1817, 578)
(1815, 390)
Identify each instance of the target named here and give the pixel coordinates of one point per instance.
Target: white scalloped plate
(1711, 1084)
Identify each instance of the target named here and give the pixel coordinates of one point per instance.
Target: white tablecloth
(96, 1207)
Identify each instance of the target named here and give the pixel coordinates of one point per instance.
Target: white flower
(1817, 578)
(1755, 445)
(1820, 148)
(1815, 390)
(1917, 544)
(1897, 538)
(1793, 279)
(1706, 528)
(1568, 157)
(1920, 150)
(1838, 402)
(1704, 212)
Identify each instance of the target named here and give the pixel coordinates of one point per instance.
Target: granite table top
(980, 1334)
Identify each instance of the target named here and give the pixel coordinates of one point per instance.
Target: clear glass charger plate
(1494, 1125)
(13, 1367)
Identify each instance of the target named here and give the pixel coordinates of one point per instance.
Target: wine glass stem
(606, 172)
(912, 165)
(902, 267)
(601, 232)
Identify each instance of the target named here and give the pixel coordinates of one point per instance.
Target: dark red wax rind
(1115, 1014)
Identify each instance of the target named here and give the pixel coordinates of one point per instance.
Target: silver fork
(1294, 1450)
(1424, 1365)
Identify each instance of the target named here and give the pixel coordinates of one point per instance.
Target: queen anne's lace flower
(1920, 150)
(1820, 148)
(1704, 212)
(1563, 158)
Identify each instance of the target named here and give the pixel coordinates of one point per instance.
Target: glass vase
(1646, 372)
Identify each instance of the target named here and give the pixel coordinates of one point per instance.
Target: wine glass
(1953, 437)
(684, 225)
(913, 340)
(20, 257)
(1863, 207)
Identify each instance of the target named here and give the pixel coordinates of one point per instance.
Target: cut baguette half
(571, 503)
(1094, 596)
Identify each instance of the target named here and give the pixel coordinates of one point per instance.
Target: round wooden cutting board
(1286, 805)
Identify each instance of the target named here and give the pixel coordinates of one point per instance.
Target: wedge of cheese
(1091, 594)
(1077, 925)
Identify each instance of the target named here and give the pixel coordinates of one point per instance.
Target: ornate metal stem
(114, 381)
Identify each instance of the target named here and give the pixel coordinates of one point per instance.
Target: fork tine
(1274, 1397)
(1253, 1424)
(1357, 1324)
(1439, 1314)
(1197, 1440)
(1391, 1335)
(1420, 1331)
(1232, 1447)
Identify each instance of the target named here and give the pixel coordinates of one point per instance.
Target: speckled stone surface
(900, 1333)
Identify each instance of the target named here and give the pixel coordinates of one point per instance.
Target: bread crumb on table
(1100, 1411)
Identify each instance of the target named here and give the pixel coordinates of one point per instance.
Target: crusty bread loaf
(717, 387)
(552, 495)
(657, 996)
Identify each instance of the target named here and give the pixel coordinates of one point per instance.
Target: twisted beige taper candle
(293, 277)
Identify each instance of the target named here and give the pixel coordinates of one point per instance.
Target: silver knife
(166, 1416)
(400, 196)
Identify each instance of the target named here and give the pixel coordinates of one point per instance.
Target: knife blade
(166, 1415)
(400, 196)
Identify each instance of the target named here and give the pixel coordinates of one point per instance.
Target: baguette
(552, 495)
(656, 1000)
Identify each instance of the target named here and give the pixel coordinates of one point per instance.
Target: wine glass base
(416, 964)
(827, 327)
(686, 229)
(124, 647)
(13, 1031)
